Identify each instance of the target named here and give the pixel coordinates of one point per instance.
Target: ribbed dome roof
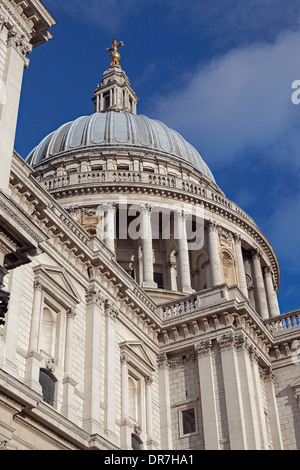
(114, 129)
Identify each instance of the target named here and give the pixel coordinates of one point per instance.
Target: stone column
(17, 49)
(110, 226)
(111, 314)
(215, 263)
(69, 409)
(125, 424)
(240, 265)
(94, 365)
(260, 399)
(233, 397)
(147, 250)
(271, 293)
(10, 339)
(149, 411)
(172, 274)
(34, 360)
(243, 348)
(207, 393)
(180, 235)
(268, 377)
(164, 402)
(259, 286)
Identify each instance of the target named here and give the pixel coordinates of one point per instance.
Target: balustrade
(284, 323)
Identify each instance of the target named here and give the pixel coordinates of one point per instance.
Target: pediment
(138, 356)
(58, 283)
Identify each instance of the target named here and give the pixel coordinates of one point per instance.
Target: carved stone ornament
(95, 296)
(50, 365)
(19, 42)
(224, 234)
(3, 445)
(203, 348)
(137, 430)
(226, 341)
(226, 257)
(178, 360)
(111, 310)
(71, 312)
(162, 361)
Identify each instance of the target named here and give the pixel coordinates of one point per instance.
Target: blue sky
(218, 71)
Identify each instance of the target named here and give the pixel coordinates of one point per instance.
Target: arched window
(47, 343)
(48, 382)
(132, 398)
(228, 268)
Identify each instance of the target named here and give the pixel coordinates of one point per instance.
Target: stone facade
(143, 307)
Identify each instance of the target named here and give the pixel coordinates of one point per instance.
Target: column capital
(148, 380)
(3, 21)
(237, 238)
(203, 348)
(226, 341)
(124, 358)
(268, 271)
(20, 44)
(38, 285)
(255, 253)
(111, 310)
(94, 295)
(71, 312)
(162, 361)
(212, 225)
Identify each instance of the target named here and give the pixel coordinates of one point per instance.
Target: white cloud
(238, 101)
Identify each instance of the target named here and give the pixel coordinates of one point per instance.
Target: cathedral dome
(120, 130)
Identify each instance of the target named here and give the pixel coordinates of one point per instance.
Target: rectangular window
(158, 279)
(188, 421)
(106, 101)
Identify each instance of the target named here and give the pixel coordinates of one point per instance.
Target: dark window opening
(131, 273)
(136, 442)
(158, 279)
(188, 421)
(106, 101)
(48, 387)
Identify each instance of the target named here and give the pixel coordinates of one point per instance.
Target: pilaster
(111, 314)
(207, 392)
(68, 406)
(268, 378)
(94, 375)
(125, 424)
(164, 402)
(233, 396)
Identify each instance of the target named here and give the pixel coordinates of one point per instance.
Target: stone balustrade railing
(203, 299)
(154, 179)
(283, 324)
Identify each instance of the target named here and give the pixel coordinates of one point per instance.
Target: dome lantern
(114, 92)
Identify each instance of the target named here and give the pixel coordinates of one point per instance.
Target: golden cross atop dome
(115, 56)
